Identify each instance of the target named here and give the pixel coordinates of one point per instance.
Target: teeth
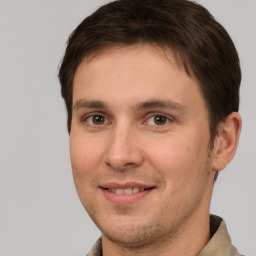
(126, 191)
(135, 190)
(119, 191)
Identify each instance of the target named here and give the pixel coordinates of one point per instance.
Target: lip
(124, 199)
(126, 185)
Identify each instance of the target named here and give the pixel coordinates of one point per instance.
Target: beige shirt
(219, 245)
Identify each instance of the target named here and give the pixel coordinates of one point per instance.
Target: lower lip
(124, 199)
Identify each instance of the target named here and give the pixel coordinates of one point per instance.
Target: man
(152, 94)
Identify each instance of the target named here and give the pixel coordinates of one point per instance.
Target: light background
(40, 213)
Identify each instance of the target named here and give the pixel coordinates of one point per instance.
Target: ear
(226, 141)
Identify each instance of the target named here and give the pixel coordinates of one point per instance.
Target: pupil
(160, 120)
(98, 119)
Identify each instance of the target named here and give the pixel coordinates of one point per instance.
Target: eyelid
(168, 117)
(85, 117)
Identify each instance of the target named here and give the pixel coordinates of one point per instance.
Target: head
(151, 90)
(200, 44)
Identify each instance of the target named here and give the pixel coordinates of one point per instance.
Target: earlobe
(226, 141)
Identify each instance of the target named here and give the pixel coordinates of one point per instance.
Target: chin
(131, 235)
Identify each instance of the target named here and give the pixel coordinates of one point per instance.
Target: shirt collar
(220, 242)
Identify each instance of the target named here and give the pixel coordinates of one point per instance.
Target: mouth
(126, 193)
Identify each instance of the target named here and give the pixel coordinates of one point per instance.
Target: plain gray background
(40, 213)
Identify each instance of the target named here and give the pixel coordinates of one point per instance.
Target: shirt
(219, 244)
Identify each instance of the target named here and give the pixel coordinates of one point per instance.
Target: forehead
(166, 53)
(137, 72)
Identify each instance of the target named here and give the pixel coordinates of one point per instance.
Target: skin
(116, 137)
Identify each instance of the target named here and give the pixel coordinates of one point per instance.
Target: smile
(126, 194)
(126, 191)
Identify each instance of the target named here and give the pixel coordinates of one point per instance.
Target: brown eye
(160, 120)
(98, 120)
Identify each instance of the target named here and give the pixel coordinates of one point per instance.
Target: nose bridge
(123, 149)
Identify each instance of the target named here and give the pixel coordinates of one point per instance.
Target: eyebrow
(84, 103)
(149, 104)
(156, 103)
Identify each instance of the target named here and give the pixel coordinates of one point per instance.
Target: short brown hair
(204, 47)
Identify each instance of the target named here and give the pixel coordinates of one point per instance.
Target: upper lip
(125, 185)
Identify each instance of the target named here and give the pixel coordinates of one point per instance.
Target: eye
(158, 119)
(96, 120)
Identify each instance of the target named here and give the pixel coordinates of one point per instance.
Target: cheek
(83, 160)
(179, 159)
(84, 153)
(171, 154)
(183, 167)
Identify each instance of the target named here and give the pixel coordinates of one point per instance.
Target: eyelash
(92, 115)
(86, 119)
(167, 118)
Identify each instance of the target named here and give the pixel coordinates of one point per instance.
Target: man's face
(139, 145)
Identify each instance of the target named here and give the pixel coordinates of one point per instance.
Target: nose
(123, 149)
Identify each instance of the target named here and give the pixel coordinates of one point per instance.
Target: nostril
(128, 164)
